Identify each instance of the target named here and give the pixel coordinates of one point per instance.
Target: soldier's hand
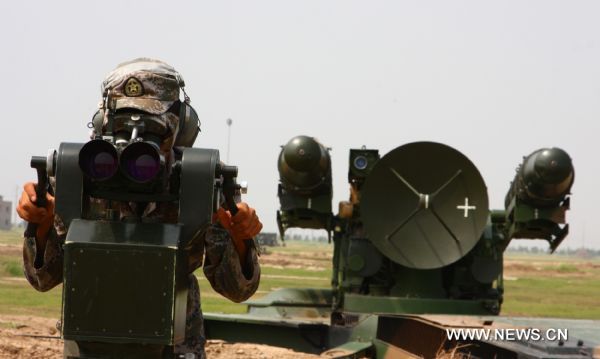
(27, 210)
(244, 225)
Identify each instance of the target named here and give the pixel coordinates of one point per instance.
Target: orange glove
(43, 217)
(244, 225)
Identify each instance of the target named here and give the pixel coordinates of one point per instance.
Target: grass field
(535, 285)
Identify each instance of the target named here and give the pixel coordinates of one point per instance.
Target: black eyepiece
(140, 162)
(98, 160)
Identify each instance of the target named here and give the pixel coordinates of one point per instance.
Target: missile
(544, 178)
(304, 165)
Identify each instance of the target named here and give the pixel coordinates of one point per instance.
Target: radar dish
(424, 205)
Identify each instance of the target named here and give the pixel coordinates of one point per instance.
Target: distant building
(5, 214)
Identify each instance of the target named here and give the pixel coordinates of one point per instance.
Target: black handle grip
(232, 206)
(39, 163)
(229, 184)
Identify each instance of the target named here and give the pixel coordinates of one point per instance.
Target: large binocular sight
(140, 162)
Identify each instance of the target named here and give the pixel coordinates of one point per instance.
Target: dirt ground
(312, 261)
(17, 342)
(14, 342)
(10, 249)
(517, 268)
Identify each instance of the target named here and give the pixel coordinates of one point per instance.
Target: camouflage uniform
(221, 262)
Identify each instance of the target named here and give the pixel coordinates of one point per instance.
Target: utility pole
(229, 122)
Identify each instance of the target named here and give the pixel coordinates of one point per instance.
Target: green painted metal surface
(396, 305)
(115, 274)
(301, 335)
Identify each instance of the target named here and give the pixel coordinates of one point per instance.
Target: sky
(495, 80)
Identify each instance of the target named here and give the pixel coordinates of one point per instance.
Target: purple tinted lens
(103, 165)
(144, 168)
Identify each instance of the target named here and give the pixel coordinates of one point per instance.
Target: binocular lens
(140, 162)
(98, 160)
(103, 165)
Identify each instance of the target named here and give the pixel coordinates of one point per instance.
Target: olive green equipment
(126, 278)
(415, 242)
(537, 200)
(423, 229)
(305, 190)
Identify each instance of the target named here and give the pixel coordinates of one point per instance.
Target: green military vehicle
(267, 239)
(417, 251)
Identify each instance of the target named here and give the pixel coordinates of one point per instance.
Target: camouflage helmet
(151, 86)
(144, 84)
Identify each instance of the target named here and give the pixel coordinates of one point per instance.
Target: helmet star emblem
(133, 87)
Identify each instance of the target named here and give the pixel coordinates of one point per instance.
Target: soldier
(152, 88)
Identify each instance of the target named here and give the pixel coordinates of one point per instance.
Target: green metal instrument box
(123, 283)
